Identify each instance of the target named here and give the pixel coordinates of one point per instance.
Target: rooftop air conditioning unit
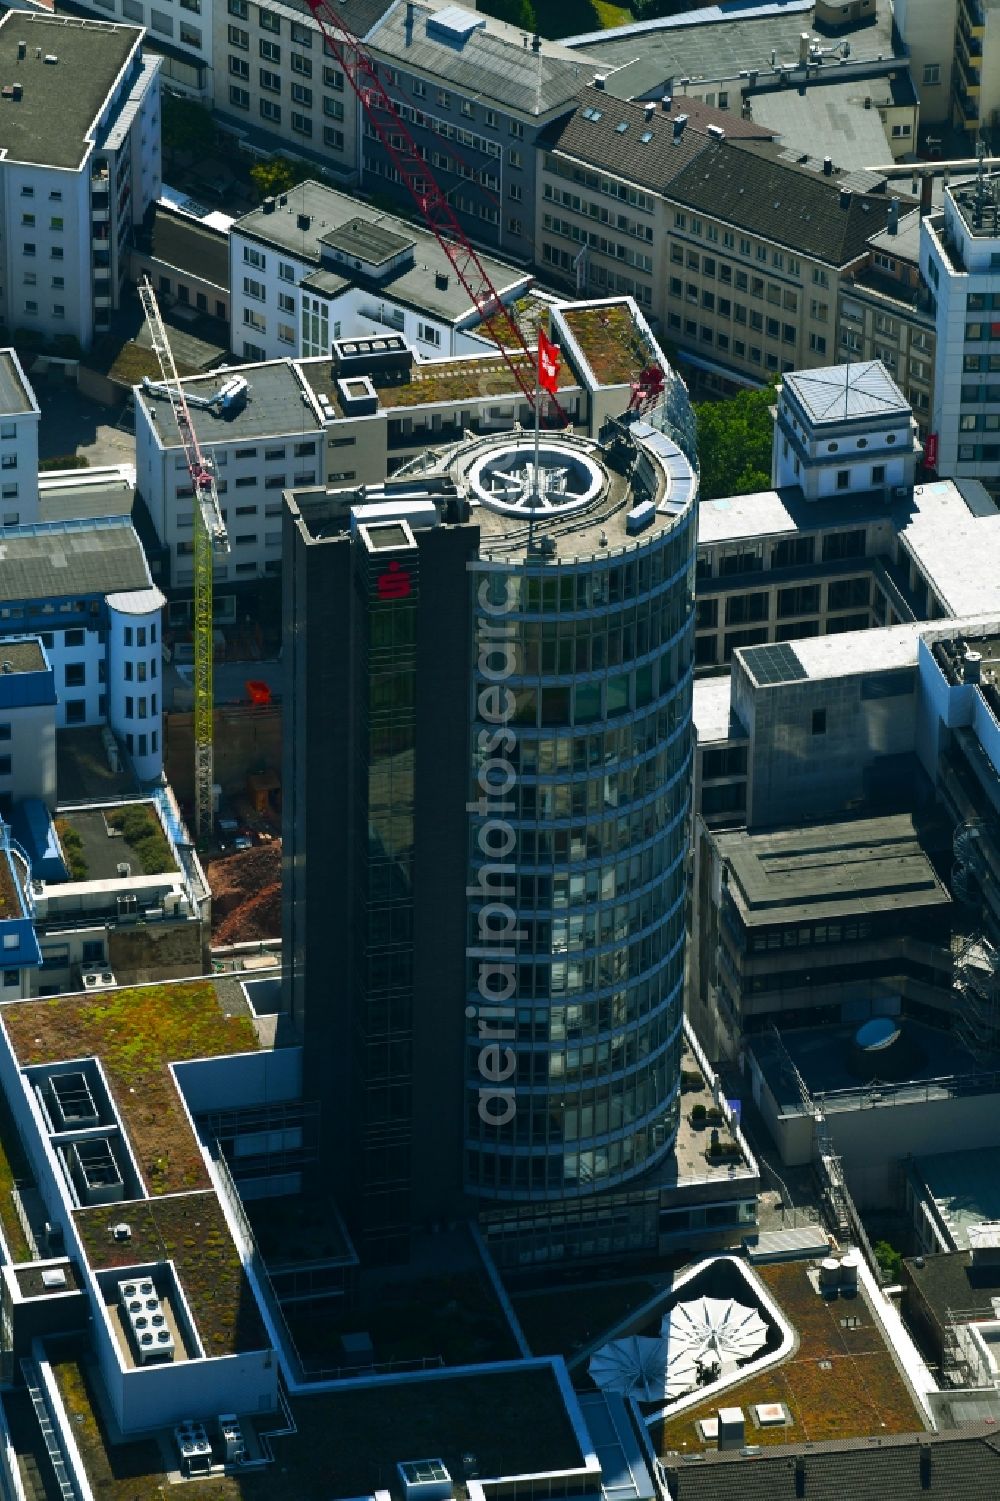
(93, 981)
(194, 1448)
(142, 1313)
(233, 1445)
(124, 869)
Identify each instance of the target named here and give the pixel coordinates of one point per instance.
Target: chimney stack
(679, 124)
(666, 104)
(649, 110)
(893, 225)
(828, 166)
(600, 79)
(536, 42)
(803, 48)
(926, 194)
(800, 1475)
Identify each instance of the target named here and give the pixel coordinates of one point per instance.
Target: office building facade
(960, 260)
(492, 776)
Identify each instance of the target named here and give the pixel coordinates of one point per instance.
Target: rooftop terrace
(841, 1381)
(97, 841)
(51, 123)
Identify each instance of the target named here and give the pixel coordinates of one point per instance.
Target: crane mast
(498, 322)
(209, 536)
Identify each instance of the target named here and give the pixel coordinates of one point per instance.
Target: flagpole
(536, 488)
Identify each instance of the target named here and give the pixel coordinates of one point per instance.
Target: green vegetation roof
(614, 346)
(137, 1032)
(840, 1383)
(191, 1231)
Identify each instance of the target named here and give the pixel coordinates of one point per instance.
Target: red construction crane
(403, 152)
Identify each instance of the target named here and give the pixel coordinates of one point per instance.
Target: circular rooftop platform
(509, 479)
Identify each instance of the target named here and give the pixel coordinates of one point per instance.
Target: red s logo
(394, 583)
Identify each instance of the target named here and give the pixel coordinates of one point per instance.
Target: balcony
(966, 106)
(102, 299)
(968, 75)
(973, 15)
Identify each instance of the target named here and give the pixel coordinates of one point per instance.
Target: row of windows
(609, 186)
(800, 599)
(594, 588)
(588, 1067)
(613, 248)
(565, 890)
(597, 211)
(142, 741)
(770, 291)
(739, 348)
(774, 328)
(780, 260)
(442, 97)
(184, 294)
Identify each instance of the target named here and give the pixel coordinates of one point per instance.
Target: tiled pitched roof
(652, 163)
(755, 191)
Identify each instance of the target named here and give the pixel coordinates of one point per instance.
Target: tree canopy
(186, 126)
(277, 175)
(734, 443)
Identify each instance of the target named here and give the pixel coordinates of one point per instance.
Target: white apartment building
(83, 588)
(79, 165)
(314, 265)
(960, 260)
(19, 416)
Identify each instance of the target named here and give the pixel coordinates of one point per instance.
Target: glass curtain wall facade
(578, 823)
(382, 885)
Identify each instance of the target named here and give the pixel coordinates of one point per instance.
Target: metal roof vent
(441, 280)
(121, 1231)
(303, 221)
(50, 57)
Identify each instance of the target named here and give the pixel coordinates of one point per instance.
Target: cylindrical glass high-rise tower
(580, 784)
